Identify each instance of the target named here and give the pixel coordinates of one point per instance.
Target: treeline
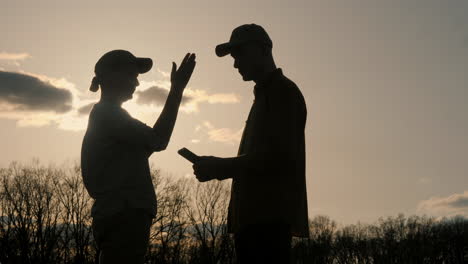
(45, 218)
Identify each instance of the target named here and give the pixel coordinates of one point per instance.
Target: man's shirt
(114, 161)
(272, 186)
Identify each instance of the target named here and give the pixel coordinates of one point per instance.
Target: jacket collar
(262, 85)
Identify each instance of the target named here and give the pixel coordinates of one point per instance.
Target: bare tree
(30, 212)
(168, 232)
(45, 218)
(75, 218)
(207, 213)
(322, 229)
(351, 244)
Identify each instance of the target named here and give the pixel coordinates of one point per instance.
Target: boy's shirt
(114, 161)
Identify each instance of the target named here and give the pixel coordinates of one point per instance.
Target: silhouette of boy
(115, 152)
(268, 197)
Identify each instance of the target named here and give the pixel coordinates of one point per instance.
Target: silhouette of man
(115, 152)
(268, 197)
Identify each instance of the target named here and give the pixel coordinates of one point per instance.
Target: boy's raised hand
(181, 76)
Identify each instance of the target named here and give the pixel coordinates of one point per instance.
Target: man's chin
(246, 78)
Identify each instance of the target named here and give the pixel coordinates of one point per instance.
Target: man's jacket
(271, 188)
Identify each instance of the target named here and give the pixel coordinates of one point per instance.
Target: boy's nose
(236, 65)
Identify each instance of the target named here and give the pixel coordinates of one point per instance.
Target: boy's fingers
(192, 57)
(185, 58)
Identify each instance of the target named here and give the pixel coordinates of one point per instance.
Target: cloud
(164, 73)
(37, 100)
(224, 135)
(217, 98)
(157, 92)
(198, 97)
(86, 109)
(455, 204)
(14, 56)
(22, 92)
(459, 200)
(156, 95)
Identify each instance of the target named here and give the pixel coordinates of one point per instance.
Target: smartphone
(189, 155)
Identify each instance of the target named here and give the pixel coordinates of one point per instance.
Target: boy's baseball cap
(119, 59)
(116, 60)
(248, 33)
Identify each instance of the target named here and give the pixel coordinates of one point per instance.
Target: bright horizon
(385, 86)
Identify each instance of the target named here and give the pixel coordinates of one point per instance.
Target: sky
(385, 85)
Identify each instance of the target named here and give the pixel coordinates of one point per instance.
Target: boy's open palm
(181, 76)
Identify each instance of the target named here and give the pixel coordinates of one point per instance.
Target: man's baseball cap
(248, 33)
(116, 60)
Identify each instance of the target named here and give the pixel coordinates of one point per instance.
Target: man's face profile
(248, 60)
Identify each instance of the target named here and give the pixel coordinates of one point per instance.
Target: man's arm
(277, 153)
(209, 167)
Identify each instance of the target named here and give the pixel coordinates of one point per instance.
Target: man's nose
(137, 83)
(236, 64)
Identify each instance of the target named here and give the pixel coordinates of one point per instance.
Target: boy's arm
(179, 78)
(165, 124)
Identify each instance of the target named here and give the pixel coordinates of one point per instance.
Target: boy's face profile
(123, 83)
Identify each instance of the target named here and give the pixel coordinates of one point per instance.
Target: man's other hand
(207, 168)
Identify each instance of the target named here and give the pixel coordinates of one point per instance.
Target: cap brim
(144, 64)
(223, 49)
(226, 48)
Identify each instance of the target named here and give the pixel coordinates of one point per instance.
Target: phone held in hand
(189, 155)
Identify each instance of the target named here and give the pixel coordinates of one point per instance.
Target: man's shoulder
(285, 81)
(287, 89)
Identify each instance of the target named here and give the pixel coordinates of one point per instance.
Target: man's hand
(208, 168)
(180, 77)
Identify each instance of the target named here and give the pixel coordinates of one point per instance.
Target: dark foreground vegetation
(44, 218)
